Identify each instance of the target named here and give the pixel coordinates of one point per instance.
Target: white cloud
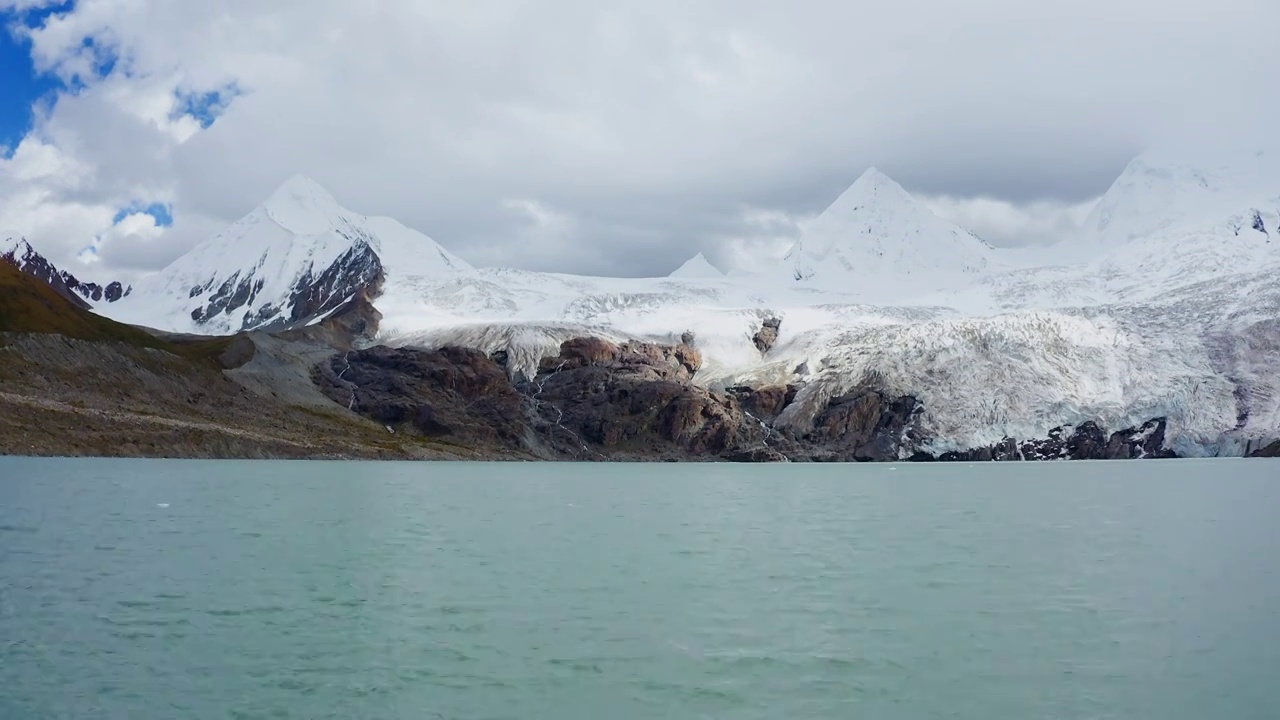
(135, 227)
(642, 128)
(764, 237)
(544, 236)
(1005, 224)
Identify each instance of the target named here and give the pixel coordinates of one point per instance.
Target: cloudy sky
(614, 138)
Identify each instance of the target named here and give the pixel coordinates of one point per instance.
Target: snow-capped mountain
(1160, 194)
(876, 232)
(294, 258)
(15, 249)
(1167, 306)
(696, 267)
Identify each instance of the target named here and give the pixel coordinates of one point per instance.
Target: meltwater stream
(193, 589)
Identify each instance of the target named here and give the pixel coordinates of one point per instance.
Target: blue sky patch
(23, 87)
(161, 212)
(206, 106)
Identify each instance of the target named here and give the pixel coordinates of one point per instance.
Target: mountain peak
(302, 186)
(302, 206)
(11, 241)
(873, 193)
(293, 259)
(1162, 191)
(873, 177)
(875, 183)
(16, 251)
(876, 228)
(15, 248)
(697, 267)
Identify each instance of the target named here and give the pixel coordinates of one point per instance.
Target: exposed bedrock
(317, 293)
(1267, 451)
(767, 335)
(634, 400)
(451, 392)
(1086, 441)
(602, 400)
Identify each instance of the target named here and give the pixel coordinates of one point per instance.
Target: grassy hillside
(28, 305)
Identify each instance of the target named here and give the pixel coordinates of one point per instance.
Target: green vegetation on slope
(29, 305)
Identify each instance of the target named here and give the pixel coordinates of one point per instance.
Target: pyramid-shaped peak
(302, 206)
(872, 188)
(875, 228)
(301, 189)
(11, 240)
(14, 245)
(873, 177)
(697, 267)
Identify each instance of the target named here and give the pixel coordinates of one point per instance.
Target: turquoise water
(190, 589)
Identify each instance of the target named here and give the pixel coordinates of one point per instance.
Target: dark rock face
(447, 392)
(319, 291)
(1146, 441)
(865, 424)
(352, 273)
(633, 399)
(1086, 441)
(1258, 225)
(767, 335)
(93, 291)
(666, 362)
(25, 258)
(351, 325)
(89, 290)
(1269, 451)
(764, 403)
(601, 400)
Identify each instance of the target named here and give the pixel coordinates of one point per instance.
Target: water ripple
(327, 590)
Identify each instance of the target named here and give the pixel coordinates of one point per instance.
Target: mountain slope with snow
(1167, 308)
(696, 267)
(876, 235)
(15, 250)
(295, 258)
(1156, 194)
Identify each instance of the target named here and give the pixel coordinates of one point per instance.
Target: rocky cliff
(601, 400)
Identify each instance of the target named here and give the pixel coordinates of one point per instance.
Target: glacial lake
(146, 589)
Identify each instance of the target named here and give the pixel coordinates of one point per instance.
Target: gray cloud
(1005, 224)
(622, 138)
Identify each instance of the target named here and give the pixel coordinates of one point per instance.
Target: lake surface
(192, 589)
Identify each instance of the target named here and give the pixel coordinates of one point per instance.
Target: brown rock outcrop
(447, 392)
(634, 399)
(767, 335)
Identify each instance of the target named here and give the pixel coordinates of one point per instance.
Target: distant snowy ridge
(15, 249)
(295, 258)
(876, 234)
(1167, 306)
(697, 267)
(1156, 194)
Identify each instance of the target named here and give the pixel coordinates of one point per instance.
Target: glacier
(1166, 305)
